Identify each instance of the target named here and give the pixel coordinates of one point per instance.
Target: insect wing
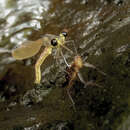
(27, 49)
(31, 48)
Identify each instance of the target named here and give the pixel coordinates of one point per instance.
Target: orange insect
(73, 71)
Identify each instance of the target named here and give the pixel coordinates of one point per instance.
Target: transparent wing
(27, 49)
(31, 48)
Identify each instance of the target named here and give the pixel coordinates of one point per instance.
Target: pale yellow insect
(31, 48)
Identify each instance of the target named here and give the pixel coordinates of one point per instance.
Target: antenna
(75, 47)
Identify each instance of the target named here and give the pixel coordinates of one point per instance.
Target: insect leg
(75, 49)
(57, 56)
(69, 41)
(69, 87)
(64, 59)
(68, 49)
(37, 73)
(94, 67)
(81, 78)
(47, 51)
(87, 83)
(73, 103)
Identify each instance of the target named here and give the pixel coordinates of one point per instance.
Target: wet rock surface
(101, 33)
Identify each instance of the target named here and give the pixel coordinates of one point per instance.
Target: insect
(73, 71)
(31, 48)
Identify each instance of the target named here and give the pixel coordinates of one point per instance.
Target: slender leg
(69, 41)
(37, 73)
(89, 65)
(64, 59)
(73, 45)
(68, 49)
(92, 66)
(47, 51)
(57, 56)
(81, 78)
(87, 83)
(71, 99)
(68, 89)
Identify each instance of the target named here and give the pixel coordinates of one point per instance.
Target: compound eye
(54, 42)
(64, 33)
